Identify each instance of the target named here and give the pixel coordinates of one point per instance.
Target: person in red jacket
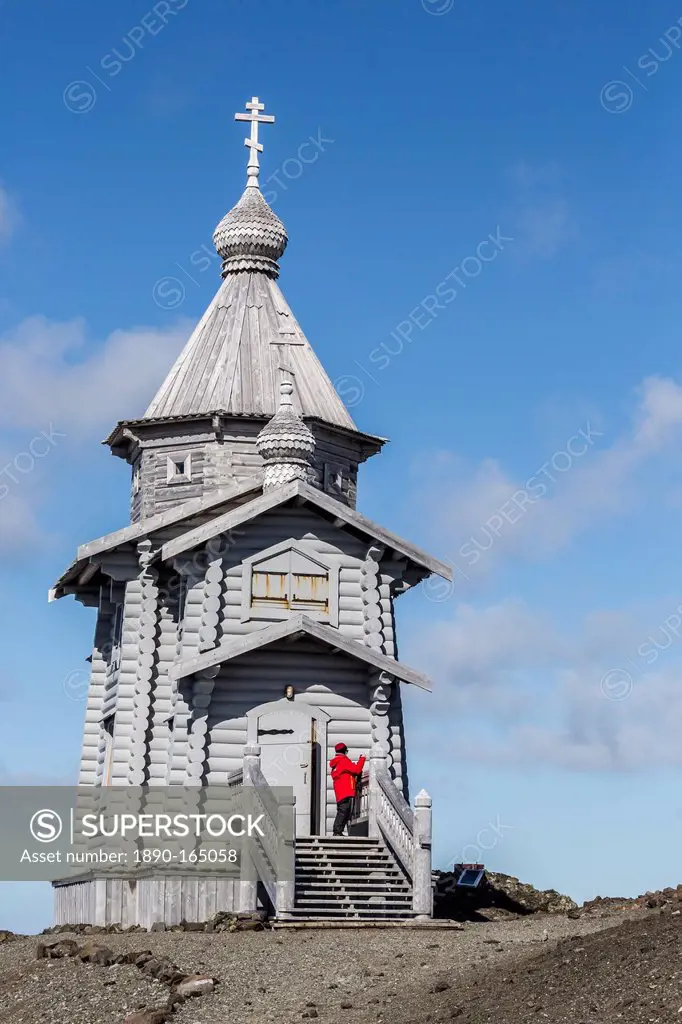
(345, 777)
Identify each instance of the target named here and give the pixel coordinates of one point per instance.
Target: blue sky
(551, 742)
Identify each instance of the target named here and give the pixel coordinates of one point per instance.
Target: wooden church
(245, 617)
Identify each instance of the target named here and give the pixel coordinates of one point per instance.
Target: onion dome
(250, 236)
(286, 444)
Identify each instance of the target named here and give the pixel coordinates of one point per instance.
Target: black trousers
(344, 809)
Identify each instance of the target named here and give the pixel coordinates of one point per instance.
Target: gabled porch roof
(295, 628)
(86, 553)
(343, 517)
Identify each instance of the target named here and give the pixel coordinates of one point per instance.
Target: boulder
(503, 894)
(60, 949)
(163, 970)
(195, 985)
(530, 899)
(92, 952)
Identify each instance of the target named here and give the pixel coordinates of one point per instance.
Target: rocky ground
(608, 961)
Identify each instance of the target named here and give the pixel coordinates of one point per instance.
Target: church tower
(245, 617)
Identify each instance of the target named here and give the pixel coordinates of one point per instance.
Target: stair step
(340, 912)
(350, 844)
(358, 879)
(355, 883)
(342, 845)
(355, 840)
(351, 894)
(343, 855)
(350, 870)
(334, 884)
(368, 899)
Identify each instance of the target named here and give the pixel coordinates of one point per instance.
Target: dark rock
(140, 957)
(312, 1012)
(250, 926)
(346, 1005)
(92, 952)
(441, 986)
(158, 926)
(163, 970)
(60, 949)
(500, 892)
(6, 936)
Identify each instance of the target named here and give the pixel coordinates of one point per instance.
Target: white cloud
(18, 525)
(60, 387)
(484, 515)
(477, 655)
(9, 215)
(54, 374)
(524, 694)
(542, 218)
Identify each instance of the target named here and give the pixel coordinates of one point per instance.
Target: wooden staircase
(348, 879)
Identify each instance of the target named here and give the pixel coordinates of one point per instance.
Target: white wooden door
(286, 740)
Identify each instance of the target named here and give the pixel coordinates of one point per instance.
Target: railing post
(251, 760)
(286, 859)
(422, 890)
(377, 763)
(248, 888)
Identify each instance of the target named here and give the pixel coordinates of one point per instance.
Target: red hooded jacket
(345, 775)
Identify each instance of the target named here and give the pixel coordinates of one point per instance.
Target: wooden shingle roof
(231, 362)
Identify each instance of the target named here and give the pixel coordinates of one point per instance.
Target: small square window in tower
(286, 579)
(179, 468)
(333, 479)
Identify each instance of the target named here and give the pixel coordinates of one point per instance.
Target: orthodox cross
(255, 147)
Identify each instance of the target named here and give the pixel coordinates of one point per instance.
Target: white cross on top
(255, 147)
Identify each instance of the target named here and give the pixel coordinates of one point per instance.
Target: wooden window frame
(173, 460)
(333, 471)
(275, 614)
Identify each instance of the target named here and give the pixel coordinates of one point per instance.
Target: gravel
(356, 976)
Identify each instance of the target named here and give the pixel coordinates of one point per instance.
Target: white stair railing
(406, 831)
(272, 855)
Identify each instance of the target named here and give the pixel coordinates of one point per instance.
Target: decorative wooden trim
(380, 694)
(370, 582)
(197, 733)
(146, 662)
